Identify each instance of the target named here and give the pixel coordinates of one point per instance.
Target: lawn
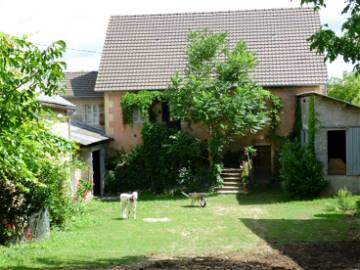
(228, 224)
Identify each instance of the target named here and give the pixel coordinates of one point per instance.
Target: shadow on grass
(262, 196)
(324, 242)
(53, 263)
(193, 263)
(191, 206)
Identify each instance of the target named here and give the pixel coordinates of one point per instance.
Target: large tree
(347, 43)
(217, 91)
(30, 171)
(346, 88)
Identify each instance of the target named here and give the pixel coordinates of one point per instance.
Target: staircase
(232, 181)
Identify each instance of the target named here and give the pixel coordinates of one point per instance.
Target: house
(337, 138)
(79, 90)
(142, 52)
(92, 142)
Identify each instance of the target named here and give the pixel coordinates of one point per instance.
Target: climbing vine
(276, 105)
(142, 101)
(295, 134)
(311, 124)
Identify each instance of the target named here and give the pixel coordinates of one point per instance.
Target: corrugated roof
(56, 101)
(313, 93)
(144, 51)
(81, 84)
(85, 135)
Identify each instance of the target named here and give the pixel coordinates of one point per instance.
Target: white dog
(128, 204)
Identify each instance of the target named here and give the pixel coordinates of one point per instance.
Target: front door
(96, 172)
(262, 165)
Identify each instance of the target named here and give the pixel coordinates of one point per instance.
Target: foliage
(142, 101)
(346, 88)
(83, 187)
(155, 164)
(295, 134)
(311, 125)
(345, 44)
(300, 172)
(31, 168)
(345, 202)
(217, 91)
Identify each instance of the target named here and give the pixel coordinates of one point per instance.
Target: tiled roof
(144, 51)
(81, 84)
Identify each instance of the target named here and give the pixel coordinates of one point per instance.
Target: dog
(128, 204)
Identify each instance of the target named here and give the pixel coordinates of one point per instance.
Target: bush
(345, 202)
(300, 172)
(155, 165)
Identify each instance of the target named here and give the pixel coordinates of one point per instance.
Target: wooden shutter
(353, 151)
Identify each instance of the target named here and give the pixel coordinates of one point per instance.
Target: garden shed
(337, 137)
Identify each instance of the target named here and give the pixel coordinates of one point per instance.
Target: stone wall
(126, 136)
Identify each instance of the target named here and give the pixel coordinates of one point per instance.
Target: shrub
(345, 202)
(155, 164)
(300, 172)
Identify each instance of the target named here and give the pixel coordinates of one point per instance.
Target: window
(92, 114)
(136, 117)
(337, 152)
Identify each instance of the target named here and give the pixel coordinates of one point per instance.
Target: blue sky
(82, 23)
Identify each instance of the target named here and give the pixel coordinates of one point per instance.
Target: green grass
(228, 224)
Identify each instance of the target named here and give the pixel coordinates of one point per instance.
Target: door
(96, 172)
(262, 165)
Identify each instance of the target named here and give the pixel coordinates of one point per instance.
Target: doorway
(337, 152)
(96, 173)
(262, 165)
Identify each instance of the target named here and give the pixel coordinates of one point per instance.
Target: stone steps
(232, 181)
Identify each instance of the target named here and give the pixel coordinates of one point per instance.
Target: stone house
(142, 52)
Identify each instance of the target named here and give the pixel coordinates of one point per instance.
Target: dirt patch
(336, 255)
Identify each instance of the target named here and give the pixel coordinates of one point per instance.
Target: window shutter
(353, 151)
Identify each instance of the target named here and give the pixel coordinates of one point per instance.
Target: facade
(143, 52)
(337, 139)
(79, 88)
(92, 143)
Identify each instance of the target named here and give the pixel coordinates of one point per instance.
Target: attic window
(337, 152)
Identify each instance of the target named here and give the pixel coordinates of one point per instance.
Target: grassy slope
(227, 224)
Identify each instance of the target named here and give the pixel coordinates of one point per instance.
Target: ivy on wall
(276, 105)
(295, 135)
(140, 100)
(311, 124)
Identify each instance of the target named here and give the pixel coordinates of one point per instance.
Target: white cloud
(82, 23)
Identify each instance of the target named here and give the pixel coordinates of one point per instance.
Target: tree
(217, 91)
(30, 154)
(346, 88)
(347, 44)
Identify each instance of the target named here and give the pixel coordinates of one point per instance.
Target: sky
(82, 23)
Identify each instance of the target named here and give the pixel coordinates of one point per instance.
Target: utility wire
(72, 49)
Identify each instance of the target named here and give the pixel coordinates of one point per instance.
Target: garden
(259, 230)
(216, 91)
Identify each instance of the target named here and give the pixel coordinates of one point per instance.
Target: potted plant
(84, 189)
